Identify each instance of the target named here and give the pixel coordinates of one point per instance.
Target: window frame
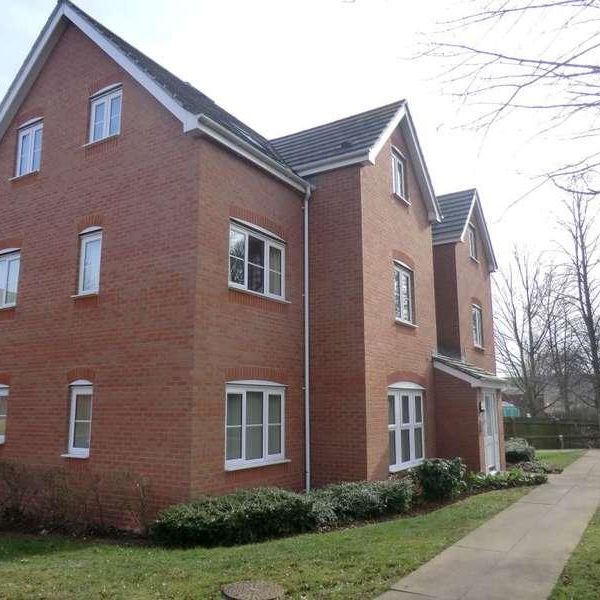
(472, 234)
(29, 128)
(99, 98)
(4, 393)
(8, 257)
(401, 269)
(268, 242)
(477, 325)
(399, 175)
(411, 426)
(266, 388)
(85, 237)
(79, 388)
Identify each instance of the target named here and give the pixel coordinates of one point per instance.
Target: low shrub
(242, 517)
(441, 478)
(518, 450)
(481, 482)
(360, 500)
(537, 466)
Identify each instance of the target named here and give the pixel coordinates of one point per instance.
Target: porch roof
(468, 372)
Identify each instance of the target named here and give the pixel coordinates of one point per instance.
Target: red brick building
(183, 299)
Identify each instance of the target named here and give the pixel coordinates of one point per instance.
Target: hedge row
(254, 515)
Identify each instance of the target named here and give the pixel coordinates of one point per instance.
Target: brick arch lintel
(407, 376)
(80, 373)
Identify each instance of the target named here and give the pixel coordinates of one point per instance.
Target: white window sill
(474, 259)
(2, 440)
(406, 323)
(248, 465)
(104, 139)
(259, 295)
(8, 306)
(24, 175)
(402, 198)
(405, 466)
(79, 456)
(84, 295)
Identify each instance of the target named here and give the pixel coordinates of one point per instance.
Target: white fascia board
(205, 125)
(473, 381)
(31, 67)
(403, 118)
(476, 205)
(327, 164)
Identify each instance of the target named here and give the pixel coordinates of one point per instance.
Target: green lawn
(559, 458)
(358, 562)
(580, 579)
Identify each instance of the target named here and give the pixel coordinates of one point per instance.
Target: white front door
(490, 431)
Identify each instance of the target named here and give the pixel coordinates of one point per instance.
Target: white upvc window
(90, 252)
(472, 242)
(256, 262)
(405, 428)
(29, 148)
(80, 419)
(10, 263)
(477, 323)
(399, 174)
(105, 115)
(254, 425)
(3, 412)
(404, 294)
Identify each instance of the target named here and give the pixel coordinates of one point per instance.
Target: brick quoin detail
(404, 258)
(14, 242)
(245, 214)
(81, 373)
(406, 376)
(93, 220)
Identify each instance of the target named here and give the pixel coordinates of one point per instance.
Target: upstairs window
(399, 174)
(472, 242)
(29, 148)
(254, 425)
(3, 412)
(90, 249)
(80, 420)
(477, 321)
(404, 294)
(105, 115)
(10, 263)
(256, 262)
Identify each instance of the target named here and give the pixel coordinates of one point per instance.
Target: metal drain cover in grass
(253, 590)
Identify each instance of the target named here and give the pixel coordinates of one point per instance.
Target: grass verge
(559, 458)
(359, 562)
(580, 578)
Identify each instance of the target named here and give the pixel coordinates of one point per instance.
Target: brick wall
(393, 229)
(446, 299)
(135, 340)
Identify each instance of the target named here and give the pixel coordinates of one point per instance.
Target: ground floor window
(405, 428)
(80, 421)
(254, 425)
(3, 412)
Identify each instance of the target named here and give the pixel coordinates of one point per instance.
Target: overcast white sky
(285, 65)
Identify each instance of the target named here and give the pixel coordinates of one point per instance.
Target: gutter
(216, 131)
(307, 453)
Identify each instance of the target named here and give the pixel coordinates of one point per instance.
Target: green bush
(441, 478)
(538, 466)
(359, 500)
(242, 517)
(257, 514)
(480, 482)
(518, 450)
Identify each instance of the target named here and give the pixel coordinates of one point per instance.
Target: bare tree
(583, 272)
(556, 73)
(524, 308)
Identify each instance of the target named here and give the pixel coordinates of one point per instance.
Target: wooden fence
(553, 434)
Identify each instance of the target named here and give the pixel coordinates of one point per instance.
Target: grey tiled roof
(455, 209)
(349, 135)
(468, 368)
(182, 92)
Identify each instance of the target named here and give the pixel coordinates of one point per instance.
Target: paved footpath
(520, 553)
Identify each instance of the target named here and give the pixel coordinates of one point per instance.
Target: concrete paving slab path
(520, 553)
